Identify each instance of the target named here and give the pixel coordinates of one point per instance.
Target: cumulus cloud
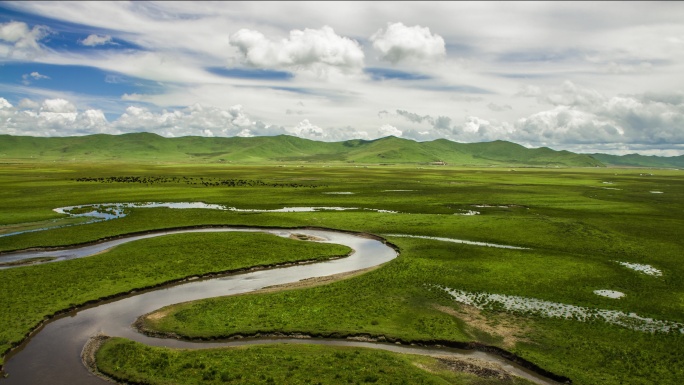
(4, 104)
(566, 125)
(645, 119)
(470, 129)
(387, 130)
(95, 40)
(60, 117)
(19, 41)
(306, 129)
(584, 116)
(54, 117)
(28, 104)
(192, 120)
(312, 49)
(399, 43)
(580, 118)
(58, 106)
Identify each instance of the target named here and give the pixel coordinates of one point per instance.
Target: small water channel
(108, 211)
(52, 355)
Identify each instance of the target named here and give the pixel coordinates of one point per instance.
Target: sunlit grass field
(576, 224)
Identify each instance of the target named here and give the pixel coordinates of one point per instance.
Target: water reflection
(108, 211)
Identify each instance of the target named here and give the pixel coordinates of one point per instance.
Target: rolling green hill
(147, 147)
(636, 160)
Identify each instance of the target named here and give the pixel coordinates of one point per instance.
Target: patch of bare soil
(88, 355)
(317, 281)
(480, 368)
(157, 315)
(506, 329)
(305, 237)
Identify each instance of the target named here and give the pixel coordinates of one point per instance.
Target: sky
(580, 76)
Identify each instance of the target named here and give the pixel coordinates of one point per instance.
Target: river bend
(52, 355)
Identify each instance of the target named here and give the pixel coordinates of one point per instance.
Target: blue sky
(581, 76)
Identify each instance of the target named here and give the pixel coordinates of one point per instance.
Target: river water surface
(52, 355)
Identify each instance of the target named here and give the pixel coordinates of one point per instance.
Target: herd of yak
(206, 182)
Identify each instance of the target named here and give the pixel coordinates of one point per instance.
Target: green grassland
(295, 364)
(154, 148)
(576, 223)
(31, 294)
(636, 160)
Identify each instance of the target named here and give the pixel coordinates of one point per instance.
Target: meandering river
(52, 355)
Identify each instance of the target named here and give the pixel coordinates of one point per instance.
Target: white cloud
(34, 75)
(584, 116)
(20, 41)
(54, 117)
(92, 118)
(313, 49)
(58, 105)
(38, 76)
(95, 40)
(4, 104)
(59, 117)
(245, 133)
(570, 94)
(193, 120)
(306, 129)
(614, 63)
(645, 119)
(387, 130)
(566, 125)
(399, 42)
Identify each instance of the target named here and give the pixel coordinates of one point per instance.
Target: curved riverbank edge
(190, 227)
(362, 337)
(88, 357)
(113, 297)
(321, 336)
(94, 343)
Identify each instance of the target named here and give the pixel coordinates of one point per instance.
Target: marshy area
(568, 240)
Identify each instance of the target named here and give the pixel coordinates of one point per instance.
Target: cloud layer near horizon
(542, 74)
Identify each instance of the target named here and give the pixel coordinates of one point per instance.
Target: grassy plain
(576, 222)
(32, 293)
(294, 364)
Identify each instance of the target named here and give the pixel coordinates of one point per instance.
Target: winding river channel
(53, 354)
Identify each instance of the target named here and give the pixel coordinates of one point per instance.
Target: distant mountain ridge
(636, 160)
(148, 147)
